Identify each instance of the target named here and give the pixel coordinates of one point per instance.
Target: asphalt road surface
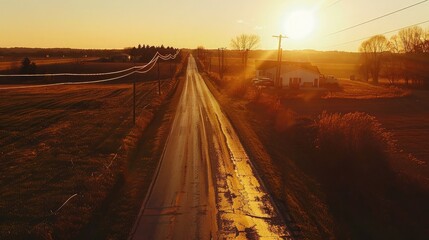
(206, 187)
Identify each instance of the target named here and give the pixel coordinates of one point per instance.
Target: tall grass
(354, 137)
(353, 152)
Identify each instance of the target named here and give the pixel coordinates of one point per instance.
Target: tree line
(404, 56)
(56, 52)
(144, 53)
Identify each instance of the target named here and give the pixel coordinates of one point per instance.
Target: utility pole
(171, 69)
(210, 62)
(218, 56)
(279, 59)
(134, 102)
(223, 62)
(221, 53)
(246, 55)
(159, 81)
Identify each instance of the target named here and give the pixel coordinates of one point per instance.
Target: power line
(377, 18)
(157, 54)
(153, 61)
(391, 31)
(334, 3)
(74, 74)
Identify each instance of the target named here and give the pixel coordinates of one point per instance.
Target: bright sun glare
(299, 24)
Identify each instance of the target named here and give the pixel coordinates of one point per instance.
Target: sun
(299, 24)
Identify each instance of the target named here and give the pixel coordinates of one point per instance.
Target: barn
(293, 74)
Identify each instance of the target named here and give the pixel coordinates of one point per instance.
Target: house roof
(286, 66)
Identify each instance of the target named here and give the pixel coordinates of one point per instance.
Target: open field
(405, 117)
(339, 70)
(8, 64)
(60, 141)
(166, 69)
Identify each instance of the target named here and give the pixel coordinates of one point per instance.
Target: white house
(293, 74)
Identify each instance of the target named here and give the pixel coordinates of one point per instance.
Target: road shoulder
(293, 192)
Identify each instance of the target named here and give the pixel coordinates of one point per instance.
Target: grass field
(339, 70)
(8, 64)
(65, 140)
(165, 69)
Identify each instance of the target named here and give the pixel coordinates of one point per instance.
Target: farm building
(293, 74)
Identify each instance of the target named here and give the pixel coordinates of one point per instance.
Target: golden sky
(190, 23)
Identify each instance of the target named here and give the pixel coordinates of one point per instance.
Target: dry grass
(353, 133)
(354, 161)
(363, 90)
(8, 65)
(339, 70)
(60, 141)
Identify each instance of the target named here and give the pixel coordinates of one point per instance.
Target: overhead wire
(72, 74)
(334, 3)
(153, 61)
(83, 74)
(377, 18)
(391, 31)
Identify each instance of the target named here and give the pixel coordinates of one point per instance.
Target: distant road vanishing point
(206, 187)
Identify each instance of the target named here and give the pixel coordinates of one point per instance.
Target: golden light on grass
(300, 24)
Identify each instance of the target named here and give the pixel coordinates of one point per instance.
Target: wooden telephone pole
(134, 101)
(279, 60)
(221, 56)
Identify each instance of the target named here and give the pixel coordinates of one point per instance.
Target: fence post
(134, 102)
(159, 82)
(171, 69)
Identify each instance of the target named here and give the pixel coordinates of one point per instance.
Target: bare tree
(393, 68)
(245, 43)
(411, 39)
(365, 66)
(373, 50)
(425, 41)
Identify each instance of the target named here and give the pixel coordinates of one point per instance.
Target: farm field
(402, 112)
(165, 69)
(7, 64)
(406, 117)
(60, 141)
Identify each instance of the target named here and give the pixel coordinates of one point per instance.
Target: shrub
(237, 88)
(353, 146)
(352, 131)
(27, 66)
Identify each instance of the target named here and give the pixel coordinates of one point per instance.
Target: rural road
(206, 187)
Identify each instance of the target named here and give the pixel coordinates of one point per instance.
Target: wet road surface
(206, 187)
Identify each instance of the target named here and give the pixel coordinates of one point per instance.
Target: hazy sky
(189, 23)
